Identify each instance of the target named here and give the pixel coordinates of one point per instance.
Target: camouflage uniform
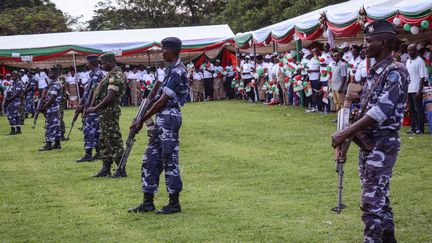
(29, 98)
(91, 121)
(63, 102)
(386, 107)
(52, 114)
(111, 143)
(13, 108)
(163, 148)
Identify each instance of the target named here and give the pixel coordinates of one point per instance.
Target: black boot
(119, 173)
(173, 205)
(18, 130)
(13, 131)
(389, 237)
(146, 206)
(87, 156)
(47, 147)
(97, 155)
(57, 145)
(105, 170)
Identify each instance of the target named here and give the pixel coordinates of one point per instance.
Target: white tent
(44, 49)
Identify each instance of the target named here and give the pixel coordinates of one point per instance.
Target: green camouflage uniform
(63, 105)
(111, 143)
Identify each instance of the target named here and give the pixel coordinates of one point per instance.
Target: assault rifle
(144, 106)
(39, 107)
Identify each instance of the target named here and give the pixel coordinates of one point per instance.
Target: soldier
(51, 108)
(91, 121)
(385, 92)
(106, 102)
(29, 95)
(13, 103)
(163, 147)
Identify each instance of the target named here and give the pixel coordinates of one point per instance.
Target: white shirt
(25, 78)
(314, 65)
(84, 76)
(197, 76)
(355, 63)
(327, 57)
(247, 70)
(41, 78)
(230, 73)
(70, 79)
(347, 56)
(135, 76)
(274, 70)
(417, 70)
(206, 71)
(160, 74)
(361, 71)
(218, 69)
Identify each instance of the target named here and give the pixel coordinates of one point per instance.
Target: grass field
(251, 173)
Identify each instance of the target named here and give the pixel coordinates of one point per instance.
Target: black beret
(172, 43)
(56, 68)
(92, 58)
(378, 27)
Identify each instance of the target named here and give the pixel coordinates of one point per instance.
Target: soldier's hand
(338, 138)
(136, 126)
(419, 96)
(90, 110)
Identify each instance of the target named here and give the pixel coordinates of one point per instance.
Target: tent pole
(148, 58)
(75, 70)
(274, 46)
(298, 47)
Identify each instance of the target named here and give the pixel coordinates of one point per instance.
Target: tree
(31, 17)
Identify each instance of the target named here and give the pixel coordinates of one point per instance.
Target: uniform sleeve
(19, 87)
(388, 98)
(54, 90)
(172, 84)
(115, 82)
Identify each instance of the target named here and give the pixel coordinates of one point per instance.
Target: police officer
(163, 147)
(13, 103)
(29, 95)
(91, 121)
(387, 85)
(107, 100)
(51, 108)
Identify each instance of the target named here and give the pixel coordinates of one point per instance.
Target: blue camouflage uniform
(91, 129)
(52, 113)
(163, 148)
(386, 107)
(13, 106)
(29, 98)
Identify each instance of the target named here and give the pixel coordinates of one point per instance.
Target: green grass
(250, 173)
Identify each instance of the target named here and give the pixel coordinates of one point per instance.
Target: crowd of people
(316, 79)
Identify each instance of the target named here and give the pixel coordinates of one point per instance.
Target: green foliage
(31, 17)
(251, 173)
(240, 15)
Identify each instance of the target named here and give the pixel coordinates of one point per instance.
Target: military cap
(108, 57)
(92, 58)
(172, 43)
(56, 68)
(379, 27)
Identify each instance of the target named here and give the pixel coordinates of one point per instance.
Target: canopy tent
(41, 49)
(343, 20)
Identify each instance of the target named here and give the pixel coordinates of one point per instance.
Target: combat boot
(87, 156)
(47, 147)
(57, 145)
(146, 206)
(12, 131)
(97, 155)
(119, 173)
(389, 237)
(105, 170)
(173, 205)
(18, 130)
